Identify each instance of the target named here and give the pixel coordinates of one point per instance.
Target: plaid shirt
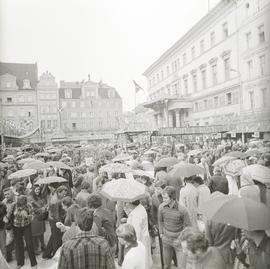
(22, 216)
(86, 251)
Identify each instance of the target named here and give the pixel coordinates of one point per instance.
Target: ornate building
(217, 73)
(18, 98)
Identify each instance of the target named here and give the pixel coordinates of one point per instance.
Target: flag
(138, 87)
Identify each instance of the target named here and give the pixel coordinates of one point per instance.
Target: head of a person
(160, 186)
(217, 170)
(168, 194)
(126, 234)
(72, 212)
(128, 207)
(36, 190)
(8, 194)
(188, 179)
(85, 218)
(22, 200)
(220, 184)
(196, 160)
(197, 181)
(193, 242)
(100, 182)
(77, 181)
(62, 192)
(86, 186)
(94, 201)
(67, 202)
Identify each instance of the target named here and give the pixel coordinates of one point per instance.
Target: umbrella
(59, 165)
(223, 160)
(49, 180)
(26, 160)
(115, 168)
(121, 157)
(126, 190)
(234, 167)
(142, 173)
(252, 152)
(149, 152)
(258, 172)
(36, 164)
(43, 154)
(240, 212)
(167, 162)
(237, 154)
(184, 169)
(22, 173)
(53, 150)
(264, 149)
(194, 152)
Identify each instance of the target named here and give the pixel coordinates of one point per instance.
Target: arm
(109, 260)
(160, 219)
(62, 264)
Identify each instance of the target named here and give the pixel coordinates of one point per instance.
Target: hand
(123, 220)
(59, 225)
(5, 219)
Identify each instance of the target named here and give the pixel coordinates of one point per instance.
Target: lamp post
(241, 102)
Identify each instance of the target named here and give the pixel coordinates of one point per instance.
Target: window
(261, 34)
(73, 104)
(54, 124)
(162, 74)
(29, 114)
(248, 39)
(229, 98)
(29, 98)
(9, 100)
(21, 99)
(225, 30)
(193, 52)
(264, 97)
(214, 74)
(26, 84)
(64, 103)
(82, 104)
(68, 93)
(250, 68)
(49, 124)
(91, 114)
(186, 85)
(42, 124)
(196, 107)
(168, 90)
(212, 39)
(73, 125)
(194, 79)
(205, 102)
(262, 64)
(203, 71)
(168, 70)
(251, 99)
(10, 113)
(184, 58)
(215, 101)
(202, 46)
(157, 77)
(227, 68)
(73, 115)
(8, 84)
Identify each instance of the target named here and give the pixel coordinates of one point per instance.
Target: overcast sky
(112, 40)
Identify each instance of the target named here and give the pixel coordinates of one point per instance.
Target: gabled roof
(21, 71)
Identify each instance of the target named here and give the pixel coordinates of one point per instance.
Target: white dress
(135, 258)
(139, 220)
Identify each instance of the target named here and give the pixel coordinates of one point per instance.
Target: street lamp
(241, 102)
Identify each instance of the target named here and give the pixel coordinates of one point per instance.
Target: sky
(112, 40)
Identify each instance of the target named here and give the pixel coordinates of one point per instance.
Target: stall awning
(29, 134)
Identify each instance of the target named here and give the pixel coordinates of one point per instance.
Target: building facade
(48, 104)
(217, 73)
(18, 98)
(88, 108)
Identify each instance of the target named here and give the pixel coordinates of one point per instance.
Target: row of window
(84, 114)
(21, 113)
(48, 124)
(20, 99)
(218, 101)
(175, 65)
(261, 69)
(175, 87)
(50, 96)
(88, 125)
(252, 99)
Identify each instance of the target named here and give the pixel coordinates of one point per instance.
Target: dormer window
(26, 84)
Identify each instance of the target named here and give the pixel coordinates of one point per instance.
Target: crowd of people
(89, 230)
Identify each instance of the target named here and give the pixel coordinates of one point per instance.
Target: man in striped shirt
(86, 251)
(172, 219)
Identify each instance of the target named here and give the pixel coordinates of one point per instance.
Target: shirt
(22, 216)
(86, 251)
(172, 218)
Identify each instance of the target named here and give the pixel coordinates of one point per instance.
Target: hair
(85, 185)
(171, 191)
(127, 232)
(197, 180)
(94, 200)
(195, 240)
(61, 188)
(22, 200)
(188, 179)
(220, 184)
(85, 219)
(67, 201)
(136, 203)
(100, 180)
(118, 175)
(72, 214)
(161, 183)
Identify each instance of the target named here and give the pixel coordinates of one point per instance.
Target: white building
(218, 72)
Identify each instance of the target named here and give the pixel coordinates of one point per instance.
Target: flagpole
(135, 101)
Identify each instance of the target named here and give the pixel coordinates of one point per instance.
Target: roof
(21, 71)
(70, 85)
(76, 93)
(214, 13)
(103, 91)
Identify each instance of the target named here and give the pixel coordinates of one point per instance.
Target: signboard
(256, 134)
(233, 134)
